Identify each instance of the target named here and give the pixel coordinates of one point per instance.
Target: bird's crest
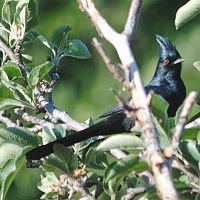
(167, 49)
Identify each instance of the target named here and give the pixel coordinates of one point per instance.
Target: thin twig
(25, 116)
(57, 114)
(132, 192)
(18, 56)
(193, 178)
(118, 153)
(111, 67)
(6, 120)
(133, 18)
(189, 101)
(193, 124)
(39, 123)
(8, 51)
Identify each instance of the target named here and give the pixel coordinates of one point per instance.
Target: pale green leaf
(19, 136)
(197, 65)
(6, 103)
(77, 49)
(6, 16)
(39, 72)
(122, 141)
(187, 12)
(9, 170)
(116, 172)
(59, 37)
(47, 43)
(33, 14)
(12, 70)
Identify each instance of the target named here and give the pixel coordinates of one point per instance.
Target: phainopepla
(166, 82)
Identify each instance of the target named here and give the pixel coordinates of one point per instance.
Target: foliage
(184, 14)
(70, 170)
(190, 10)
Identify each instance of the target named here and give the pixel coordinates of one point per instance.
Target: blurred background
(84, 86)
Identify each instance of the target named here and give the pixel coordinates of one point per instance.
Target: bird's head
(169, 57)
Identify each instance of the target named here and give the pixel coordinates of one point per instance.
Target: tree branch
(133, 18)
(6, 120)
(132, 192)
(8, 51)
(121, 43)
(58, 115)
(193, 178)
(111, 67)
(193, 124)
(189, 101)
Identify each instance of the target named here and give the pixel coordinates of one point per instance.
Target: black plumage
(166, 82)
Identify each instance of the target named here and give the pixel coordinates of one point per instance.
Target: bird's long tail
(112, 125)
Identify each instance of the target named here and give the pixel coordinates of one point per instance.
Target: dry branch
(194, 124)
(58, 115)
(158, 163)
(189, 101)
(8, 51)
(133, 18)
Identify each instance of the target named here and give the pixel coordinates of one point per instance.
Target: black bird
(166, 82)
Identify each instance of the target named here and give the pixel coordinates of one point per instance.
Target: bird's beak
(179, 60)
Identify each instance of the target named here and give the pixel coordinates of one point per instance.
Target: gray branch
(134, 84)
(133, 18)
(194, 124)
(8, 51)
(6, 120)
(189, 101)
(58, 115)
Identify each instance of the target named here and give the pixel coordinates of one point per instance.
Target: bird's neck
(163, 74)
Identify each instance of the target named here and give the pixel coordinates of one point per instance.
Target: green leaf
(33, 14)
(5, 92)
(122, 141)
(63, 153)
(39, 72)
(121, 167)
(7, 103)
(197, 65)
(159, 108)
(19, 92)
(59, 131)
(9, 170)
(4, 33)
(59, 37)
(47, 43)
(162, 134)
(6, 12)
(46, 186)
(66, 155)
(190, 133)
(116, 172)
(77, 49)
(47, 135)
(19, 136)
(56, 165)
(187, 12)
(191, 152)
(198, 138)
(13, 141)
(28, 58)
(195, 112)
(12, 70)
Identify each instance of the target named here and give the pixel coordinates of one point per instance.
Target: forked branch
(133, 83)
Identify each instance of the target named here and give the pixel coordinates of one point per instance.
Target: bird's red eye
(166, 62)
